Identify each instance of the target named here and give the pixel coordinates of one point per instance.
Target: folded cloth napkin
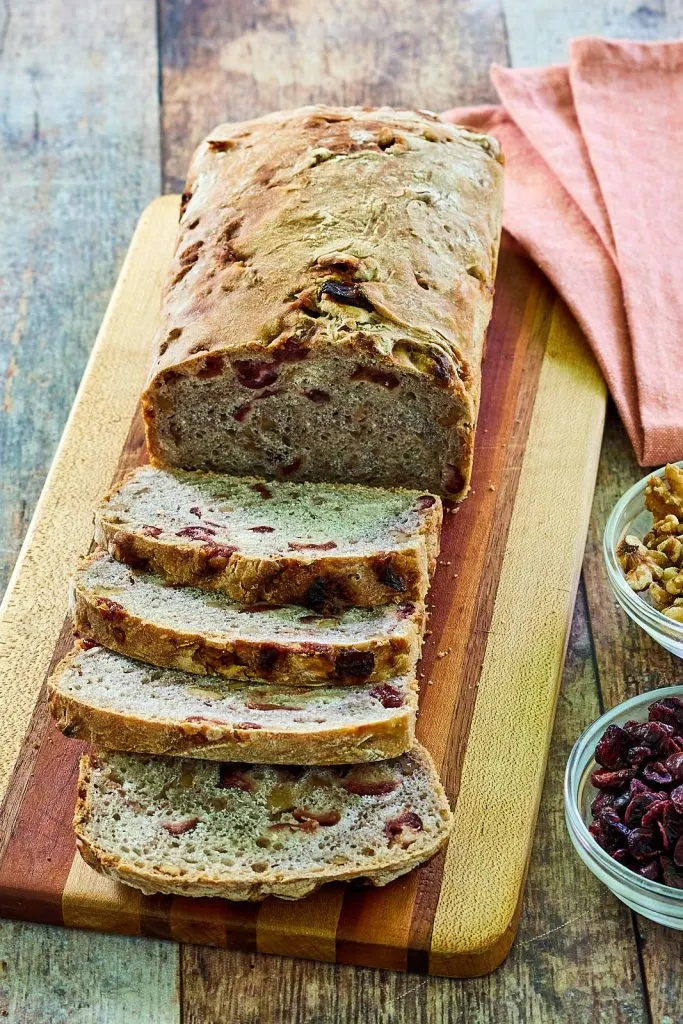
(592, 194)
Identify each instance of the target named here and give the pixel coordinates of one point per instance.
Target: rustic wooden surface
(80, 141)
(491, 665)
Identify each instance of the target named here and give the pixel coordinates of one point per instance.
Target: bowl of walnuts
(643, 549)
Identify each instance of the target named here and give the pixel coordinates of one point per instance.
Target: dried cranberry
(267, 658)
(425, 501)
(262, 529)
(151, 531)
(232, 776)
(110, 610)
(604, 838)
(196, 532)
(179, 828)
(678, 853)
(677, 798)
(254, 374)
(288, 470)
(671, 826)
(669, 710)
(655, 735)
(637, 756)
(262, 490)
(404, 611)
(196, 511)
(357, 664)
(387, 574)
(395, 826)
(603, 800)
(650, 870)
(217, 556)
(611, 780)
(211, 367)
(637, 807)
(317, 396)
(656, 774)
(346, 294)
(387, 695)
(613, 747)
(674, 765)
(643, 844)
(241, 412)
(655, 811)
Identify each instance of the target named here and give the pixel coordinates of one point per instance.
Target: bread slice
(137, 614)
(243, 832)
(324, 546)
(120, 704)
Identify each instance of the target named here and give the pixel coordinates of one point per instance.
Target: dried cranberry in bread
(324, 546)
(137, 614)
(244, 832)
(114, 702)
(325, 313)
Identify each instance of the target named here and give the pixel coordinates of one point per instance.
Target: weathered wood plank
(538, 33)
(229, 61)
(54, 976)
(79, 146)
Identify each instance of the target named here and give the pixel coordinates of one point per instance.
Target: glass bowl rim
(577, 825)
(632, 600)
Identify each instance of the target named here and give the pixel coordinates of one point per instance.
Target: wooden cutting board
(501, 606)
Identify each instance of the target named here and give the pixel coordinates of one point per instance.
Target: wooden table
(101, 106)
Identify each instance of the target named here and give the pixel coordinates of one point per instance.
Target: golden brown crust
(336, 583)
(278, 209)
(313, 663)
(242, 887)
(219, 741)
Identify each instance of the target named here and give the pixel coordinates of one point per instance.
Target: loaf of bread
(120, 704)
(326, 309)
(325, 546)
(244, 832)
(137, 614)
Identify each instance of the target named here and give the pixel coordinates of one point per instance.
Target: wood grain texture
(538, 371)
(79, 146)
(54, 976)
(227, 60)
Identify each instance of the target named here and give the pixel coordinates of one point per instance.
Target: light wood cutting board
(501, 607)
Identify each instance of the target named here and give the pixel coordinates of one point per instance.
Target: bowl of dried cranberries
(623, 801)
(643, 549)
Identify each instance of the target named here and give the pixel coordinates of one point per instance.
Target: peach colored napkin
(592, 154)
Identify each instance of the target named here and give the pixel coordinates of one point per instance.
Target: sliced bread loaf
(244, 832)
(138, 614)
(120, 704)
(324, 546)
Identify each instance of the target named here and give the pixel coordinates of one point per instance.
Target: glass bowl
(658, 902)
(629, 516)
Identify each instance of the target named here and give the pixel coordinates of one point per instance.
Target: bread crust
(357, 580)
(243, 886)
(295, 226)
(306, 663)
(214, 740)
